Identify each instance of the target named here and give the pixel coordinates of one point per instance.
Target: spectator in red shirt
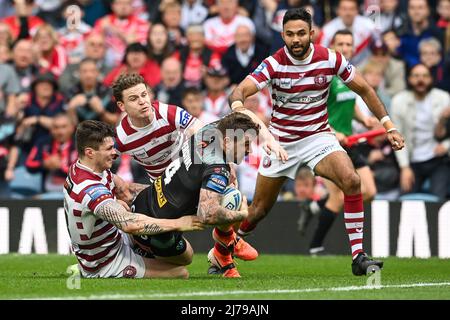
(136, 61)
(121, 28)
(49, 55)
(24, 10)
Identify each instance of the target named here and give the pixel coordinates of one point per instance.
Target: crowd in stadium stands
(59, 58)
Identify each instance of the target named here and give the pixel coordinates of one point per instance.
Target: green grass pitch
(269, 277)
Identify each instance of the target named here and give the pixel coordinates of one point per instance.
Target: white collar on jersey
(300, 62)
(86, 168)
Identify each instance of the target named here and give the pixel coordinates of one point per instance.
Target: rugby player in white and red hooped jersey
(99, 224)
(151, 132)
(299, 75)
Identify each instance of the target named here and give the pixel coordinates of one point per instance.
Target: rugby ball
(232, 199)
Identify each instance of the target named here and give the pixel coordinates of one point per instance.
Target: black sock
(326, 220)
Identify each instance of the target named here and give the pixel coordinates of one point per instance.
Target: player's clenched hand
(190, 223)
(396, 139)
(274, 146)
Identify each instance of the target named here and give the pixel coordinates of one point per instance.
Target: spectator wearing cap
(45, 102)
(244, 56)
(171, 87)
(89, 99)
(419, 28)
(121, 28)
(393, 69)
(53, 154)
(49, 55)
(216, 99)
(136, 61)
(431, 55)
(94, 48)
(195, 56)
(23, 23)
(220, 30)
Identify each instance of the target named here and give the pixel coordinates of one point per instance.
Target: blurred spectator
(192, 101)
(25, 69)
(443, 9)
(23, 24)
(52, 155)
(9, 88)
(216, 101)
(443, 126)
(195, 56)
(220, 30)
(89, 99)
(392, 42)
(6, 8)
(394, 69)
(94, 48)
(50, 56)
(5, 35)
(262, 18)
(171, 86)
(49, 11)
(136, 61)
(193, 12)
(9, 154)
(171, 17)
(431, 55)
(244, 56)
(391, 17)
(45, 103)
(276, 42)
(158, 45)
(363, 28)
(74, 33)
(121, 28)
(94, 10)
(419, 28)
(416, 113)
(5, 54)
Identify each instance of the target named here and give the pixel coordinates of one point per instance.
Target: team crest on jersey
(320, 79)
(267, 162)
(129, 272)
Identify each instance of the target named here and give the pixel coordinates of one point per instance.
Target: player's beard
(300, 55)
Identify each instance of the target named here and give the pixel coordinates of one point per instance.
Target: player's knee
(351, 183)
(369, 193)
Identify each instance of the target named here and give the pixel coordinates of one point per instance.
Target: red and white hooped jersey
(95, 242)
(300, 90)
(154, 145)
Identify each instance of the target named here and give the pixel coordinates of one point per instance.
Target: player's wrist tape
(391, 129)
(385, 119)
(237, 104)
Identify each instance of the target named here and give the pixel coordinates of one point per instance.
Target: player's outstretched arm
(127, 191)
(246, 89)
(361, 87)
(140, 224)
(210, 210)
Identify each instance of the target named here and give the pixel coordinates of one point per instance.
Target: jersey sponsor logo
(217, 183)
(129, 272)
(186, 150)
(267, 162)
(260, 68)
(320, 79)
(140, 153)
(98, 192)
(349, 67)
(159, 193)
(185, 117)
(285, 83)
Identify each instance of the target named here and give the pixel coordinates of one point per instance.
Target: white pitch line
(239, 292)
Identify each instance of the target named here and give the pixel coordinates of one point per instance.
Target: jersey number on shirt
(171, 170)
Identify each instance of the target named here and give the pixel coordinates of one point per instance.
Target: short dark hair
(342, 32)
(91, 134)
(125, 82)
(304, 173)
(190, 90)
(237, 121)
(298, 14)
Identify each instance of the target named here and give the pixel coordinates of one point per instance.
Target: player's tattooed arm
(140, 224)
(126, 191)
(211, 212)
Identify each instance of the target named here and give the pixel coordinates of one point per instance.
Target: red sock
(221, 249)
(225, 234)
(246, 227)
(354, 222)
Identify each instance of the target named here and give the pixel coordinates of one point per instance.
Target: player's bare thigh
(155, 268)
(338, 168)
(266, 193)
